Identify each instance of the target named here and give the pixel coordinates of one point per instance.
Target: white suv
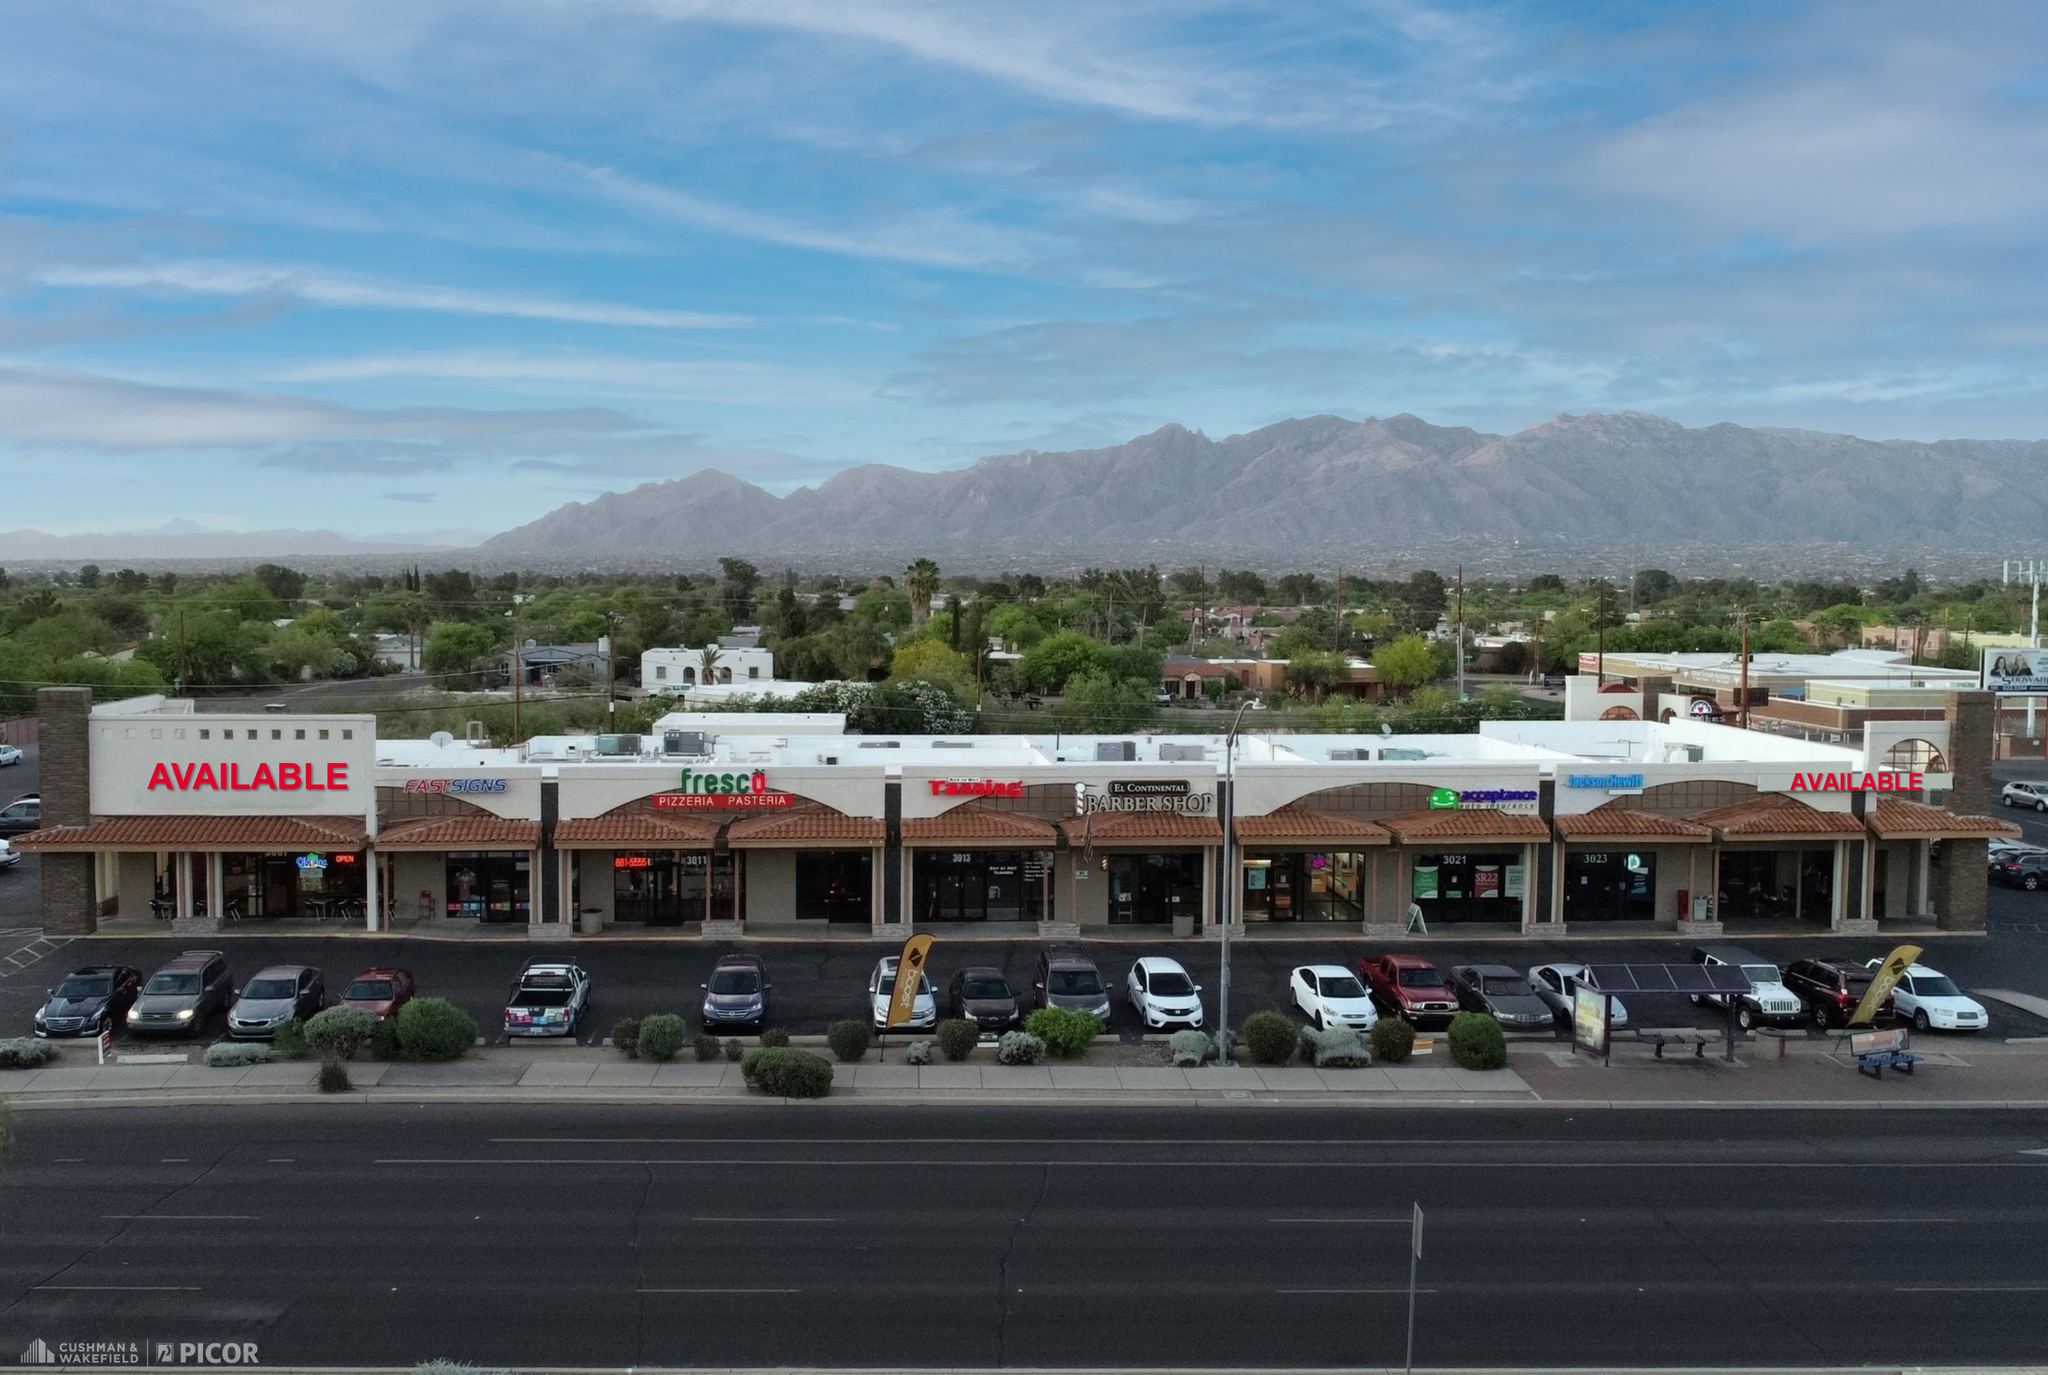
(1162, 993)
(1768, 1000)
(2033, 795)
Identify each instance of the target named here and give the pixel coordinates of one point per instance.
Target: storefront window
(1777, 885)
(1305, 886)
(1154, 888)
(1610, 885)
(321, 886)
(659, 887)
(977, 885)
(834, 885)
(490, 886)
(1471, 885)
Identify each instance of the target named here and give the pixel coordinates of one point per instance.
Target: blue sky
(432, 266)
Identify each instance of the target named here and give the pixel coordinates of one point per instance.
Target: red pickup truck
(1408, 987)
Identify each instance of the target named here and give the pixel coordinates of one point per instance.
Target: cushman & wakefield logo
(105, 1353)
(977, 787)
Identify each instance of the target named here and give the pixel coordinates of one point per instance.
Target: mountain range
(1325, 487)
(185, 540)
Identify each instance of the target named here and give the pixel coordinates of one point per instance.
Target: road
(841, 1235)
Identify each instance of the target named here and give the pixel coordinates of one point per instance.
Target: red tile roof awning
(637, 825)
(1777, 817)
(1898, 819)
(1141, 828)
(1298, 825)
(1465, 823)
(973, 821)
(1627, 826)
(251, 833)
(480, 831)
(811, 825)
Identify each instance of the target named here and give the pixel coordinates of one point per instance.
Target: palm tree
(709, 659)
(921, 581)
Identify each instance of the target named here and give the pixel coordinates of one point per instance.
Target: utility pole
(1600, 638)
(1461, 632)
(182, 669)
(1338, 636)
(610, 707)
(1232, 881)
(1744, 717)
(518, 670)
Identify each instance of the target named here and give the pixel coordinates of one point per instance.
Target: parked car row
(1158, 989)
(181, 997)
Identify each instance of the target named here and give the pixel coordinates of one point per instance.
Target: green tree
(454, 653)
(1405, 664)
(930, 661)
(285, 584)
(1097, 701)
(1047, 665)
(1654, 585)
(1312, 675)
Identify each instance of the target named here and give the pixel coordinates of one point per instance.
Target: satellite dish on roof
(442, 739)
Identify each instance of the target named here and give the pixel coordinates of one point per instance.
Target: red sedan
(382, 991)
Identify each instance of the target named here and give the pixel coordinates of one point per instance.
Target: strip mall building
(713, 825)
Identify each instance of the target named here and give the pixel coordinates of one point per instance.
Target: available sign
(287, 777)
(1880, 782)
(977, 787)
(455, 785)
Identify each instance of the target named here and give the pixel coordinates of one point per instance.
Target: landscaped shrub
(661, 1036)
(958, 1038)
(917, 1053)
(25, 1052)
(1067, 1032)
(707, 1047)
(1188, 1048)
(1269, 1037)
(1019, 1048)
(1477, 1042)
(1393, 1040)
(334, 1076)
(288, 1042)
(1337, 1048)
(384, 1040)
(785, 1072)
(435, 1029)
(849, 1039)
(734, 1050)
(626, 1037)
(339, 1032)
(774, 1036)
(236, 1054)
(450, 1368)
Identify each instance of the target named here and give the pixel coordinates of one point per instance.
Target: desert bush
(1269, 1037)
(1477, 1042)
(917, 1053)
(849, 1039)
(288, 1042)
(626, 1037)
(786, 1072)
(774, 1036)
(25, 1052)
(435, 1029)
(1019, 1048)
(958, 1038)
(1393, 1040)
(236, 1054)
(1337, 1048)
(707, 1048)
(1189, 1048)
(734, 1050)
(384, 1040)
(339, 1032)
(334, 1076)
(1067, 1032)
(661, 1036)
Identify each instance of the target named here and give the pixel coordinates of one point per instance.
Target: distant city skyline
(410, 271)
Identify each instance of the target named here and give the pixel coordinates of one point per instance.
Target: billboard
(2016, 670)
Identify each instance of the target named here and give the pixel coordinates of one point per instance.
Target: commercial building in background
(721, 825)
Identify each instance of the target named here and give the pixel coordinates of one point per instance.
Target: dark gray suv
(1067, 978)
(2026, 869)
(180, 997)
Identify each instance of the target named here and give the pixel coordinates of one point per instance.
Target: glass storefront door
(659, 887)
(1152, 888)
(490, 885)
(834, 885)
(1317, 885)
(1469, 885)
(1610, 885)
(977, 885)
(1777, 885)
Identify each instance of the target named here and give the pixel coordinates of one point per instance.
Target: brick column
(65, 734)
(1969, 752)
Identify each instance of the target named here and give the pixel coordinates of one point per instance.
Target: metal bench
(1661, 1037)
(1878, 1051)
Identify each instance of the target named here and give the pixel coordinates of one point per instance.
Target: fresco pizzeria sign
(286, 777)
(723, 792)
(1495, 799)
(1858, 782)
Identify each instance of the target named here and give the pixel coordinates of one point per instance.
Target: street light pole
(1227, 813)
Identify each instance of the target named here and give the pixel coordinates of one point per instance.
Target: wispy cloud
(316, 287)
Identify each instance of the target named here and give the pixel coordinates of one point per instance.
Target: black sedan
(984, 997)
(1501, 992)
(89, 1001)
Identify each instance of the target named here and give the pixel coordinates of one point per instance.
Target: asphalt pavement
(842, 1235)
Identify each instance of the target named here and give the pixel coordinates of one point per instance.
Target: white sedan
(924, 1009)
(1162, 994)
(1563, 980)
(2033, 795)
(9, 754)
(1929, 998)
(9, 856)
(1331, 995)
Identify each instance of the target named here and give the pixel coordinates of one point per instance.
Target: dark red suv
(1832, 991)
(1408, 987)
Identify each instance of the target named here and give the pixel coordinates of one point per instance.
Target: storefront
(1779, 861)
(808, 864)
(464, 866)
(640, 865)
(1468, 865)
(1619, 863)
(1142, 868)
(321, 885)
(975, 863)
(1300, 864)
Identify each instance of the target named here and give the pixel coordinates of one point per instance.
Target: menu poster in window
(1034, 870)
(1255, 879)
(1486, 881)
(1514, 880)
(1425, 881)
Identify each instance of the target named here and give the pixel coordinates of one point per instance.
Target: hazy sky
(430, 265)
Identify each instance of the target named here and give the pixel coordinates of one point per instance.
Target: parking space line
(718, 1291)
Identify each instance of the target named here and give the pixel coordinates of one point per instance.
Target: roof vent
(1116, 751)
(1172, 753)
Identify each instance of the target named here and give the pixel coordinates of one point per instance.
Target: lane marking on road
(1341, 1221)
(718, 1291)
(1353, 1291)
(279, 1160)
(1972, 1289)
(764, 1219)
(175, 1160)
(1029, 1141)
(125, 1288)
(1245, 1164)
(177, 1217)
(1870, 1221)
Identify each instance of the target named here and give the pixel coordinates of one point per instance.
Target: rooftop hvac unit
(1116, 751)
(617, 747)
(1396, 752)
(694, 742)
(952, 744)
(1174, 754)
(1339, 756)
(881, 744)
